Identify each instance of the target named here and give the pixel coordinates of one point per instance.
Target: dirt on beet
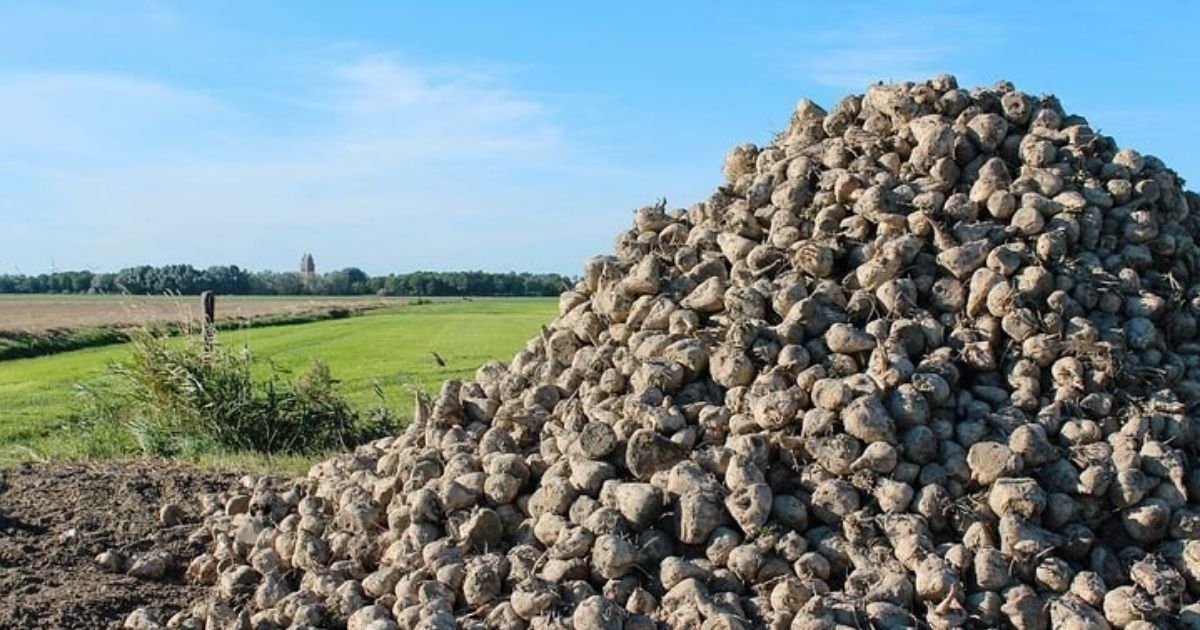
(55, 519)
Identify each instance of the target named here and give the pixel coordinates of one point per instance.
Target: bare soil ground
(54, 520)
(42, 313)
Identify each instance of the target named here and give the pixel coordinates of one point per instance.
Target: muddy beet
(930, 359)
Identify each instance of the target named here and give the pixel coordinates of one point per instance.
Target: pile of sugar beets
(929, 360)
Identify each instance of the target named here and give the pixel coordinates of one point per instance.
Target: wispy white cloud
(161, 13)
(886, 48)
(855, 68)
(61, 117)
(381, 150)
(376, 107)
(394, 110)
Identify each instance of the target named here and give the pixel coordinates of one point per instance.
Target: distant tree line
(233, 280)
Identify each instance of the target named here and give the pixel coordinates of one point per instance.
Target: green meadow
(380, 358)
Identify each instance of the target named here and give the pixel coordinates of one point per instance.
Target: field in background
(386, 350)
(42, 313)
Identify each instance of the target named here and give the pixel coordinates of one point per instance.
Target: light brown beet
(931, 357)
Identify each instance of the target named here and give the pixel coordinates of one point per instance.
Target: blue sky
(501, 136)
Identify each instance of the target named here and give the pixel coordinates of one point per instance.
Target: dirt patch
(55, 519)
(41, 314)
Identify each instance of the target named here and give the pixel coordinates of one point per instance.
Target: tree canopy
(233, 280)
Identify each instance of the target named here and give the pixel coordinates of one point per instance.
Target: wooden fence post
(209, 301)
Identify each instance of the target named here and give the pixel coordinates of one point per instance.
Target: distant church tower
(308, 269)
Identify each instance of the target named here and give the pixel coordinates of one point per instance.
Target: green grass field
(389, 347)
